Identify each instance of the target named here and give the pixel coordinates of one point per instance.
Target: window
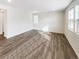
(77, 18)
(35, 19)
(71, 20)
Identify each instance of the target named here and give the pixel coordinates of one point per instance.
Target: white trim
(17, 34)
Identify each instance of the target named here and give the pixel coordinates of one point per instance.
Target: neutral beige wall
(72, 37)
(51, 21)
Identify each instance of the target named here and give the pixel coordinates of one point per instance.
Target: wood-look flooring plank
(58, 46)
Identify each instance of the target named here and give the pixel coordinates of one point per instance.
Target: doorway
(2, 21)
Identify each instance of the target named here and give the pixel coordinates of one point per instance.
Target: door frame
(4, 21)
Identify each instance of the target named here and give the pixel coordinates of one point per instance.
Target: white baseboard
(16, 34)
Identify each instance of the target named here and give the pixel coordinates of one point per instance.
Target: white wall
(72, 37)
(51, 21)
(18, 20)
(1, 21)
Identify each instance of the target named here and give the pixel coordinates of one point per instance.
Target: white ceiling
(39, 5)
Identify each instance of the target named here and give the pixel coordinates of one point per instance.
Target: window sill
(77, 33)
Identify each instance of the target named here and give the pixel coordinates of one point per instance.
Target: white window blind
(71, 19)
(77, 18)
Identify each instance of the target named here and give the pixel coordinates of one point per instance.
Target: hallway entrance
(2, 21)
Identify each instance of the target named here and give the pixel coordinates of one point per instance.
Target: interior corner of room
(17, 17)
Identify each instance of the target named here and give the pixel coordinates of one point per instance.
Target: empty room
(39, 29)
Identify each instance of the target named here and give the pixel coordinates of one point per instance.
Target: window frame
(75, 22)
(76, 29)
(73, 30)
(34, 16)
